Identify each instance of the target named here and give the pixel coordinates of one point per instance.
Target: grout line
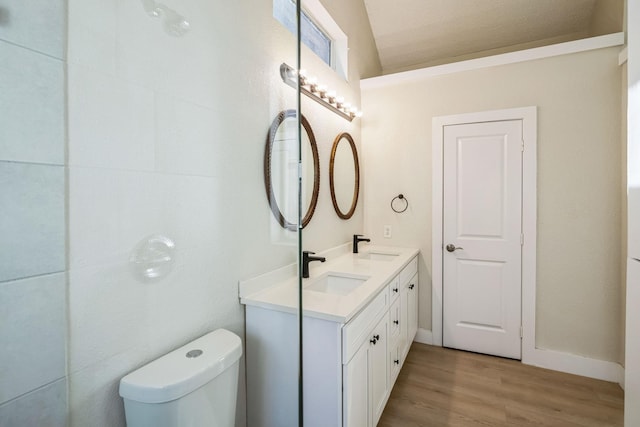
(10, 401)
(32, 50)
(35, 276)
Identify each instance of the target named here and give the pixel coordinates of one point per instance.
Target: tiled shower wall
(33, 386)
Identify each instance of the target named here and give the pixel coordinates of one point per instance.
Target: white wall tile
(32, 334)
(111, 309)
(34, 24)
(31, 106)
(111, 122)
(108, 312)
(46, 406)
(93, 392)
(93, 24)
(190, 138)
(193, 66)
(32, 224)
(110, 212)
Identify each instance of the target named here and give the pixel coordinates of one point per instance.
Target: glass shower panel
(169, 110)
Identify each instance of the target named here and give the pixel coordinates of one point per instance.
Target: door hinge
(521, 239)
(522, 146)
(521, 332)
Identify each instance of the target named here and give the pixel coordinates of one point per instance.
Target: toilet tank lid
(183, 370)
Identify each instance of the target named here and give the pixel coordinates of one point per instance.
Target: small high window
(319, 32)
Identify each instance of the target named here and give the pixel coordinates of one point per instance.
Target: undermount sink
(378, 256)
(336, 283)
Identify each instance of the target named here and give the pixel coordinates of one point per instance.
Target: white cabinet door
(356, 389)
(366, 379)
(395, 317)
(405, 341)
(412, 309)
(395, 356)
(378, 374)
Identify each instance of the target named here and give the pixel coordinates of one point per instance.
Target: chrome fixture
(306, 259)
(174, 23)
(318, 92)
(357, 238)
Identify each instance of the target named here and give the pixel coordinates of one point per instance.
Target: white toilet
(193, 386)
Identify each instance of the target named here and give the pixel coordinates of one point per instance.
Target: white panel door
(482, 211)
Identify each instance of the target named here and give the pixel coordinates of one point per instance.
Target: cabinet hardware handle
(411, 286)
(395, 290)
(397, 322)
(397, 362)
(373, 341)
(377, 337)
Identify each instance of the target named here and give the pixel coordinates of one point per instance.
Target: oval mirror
(344, 176)
(281, 170)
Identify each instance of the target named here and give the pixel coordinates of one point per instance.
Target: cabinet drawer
(407, 273)
(359, 328)
(394, 288)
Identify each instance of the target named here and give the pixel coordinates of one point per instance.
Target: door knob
(452, 248)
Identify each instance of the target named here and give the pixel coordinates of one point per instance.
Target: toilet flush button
(194, 353)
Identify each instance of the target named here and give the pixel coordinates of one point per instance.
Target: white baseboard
(558, 361)
(424, 336)
(577, 365)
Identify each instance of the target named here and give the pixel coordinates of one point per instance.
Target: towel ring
(400, 197)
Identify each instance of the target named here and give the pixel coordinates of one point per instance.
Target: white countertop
(283, 296)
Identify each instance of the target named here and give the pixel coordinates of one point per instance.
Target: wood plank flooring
(440, 387)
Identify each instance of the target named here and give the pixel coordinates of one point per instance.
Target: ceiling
(412, 34)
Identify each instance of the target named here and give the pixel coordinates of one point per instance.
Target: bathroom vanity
(360, 317)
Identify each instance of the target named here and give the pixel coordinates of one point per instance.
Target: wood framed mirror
(344, 175)
(281, 169)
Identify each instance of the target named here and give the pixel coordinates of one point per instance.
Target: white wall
(632, 359)
(578, 100)
(167, 135)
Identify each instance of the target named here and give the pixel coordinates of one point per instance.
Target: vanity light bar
(319, 93)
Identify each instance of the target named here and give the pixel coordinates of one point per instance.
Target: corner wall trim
(623, 56)
(577, 365)
(424, 336)
(583, 45)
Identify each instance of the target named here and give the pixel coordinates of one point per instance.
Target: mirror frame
(280, 118)
(356, 164)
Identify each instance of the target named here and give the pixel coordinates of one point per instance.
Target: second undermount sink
(336, 283)
(378, 256)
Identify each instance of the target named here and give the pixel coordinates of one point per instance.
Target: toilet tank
(193, 386)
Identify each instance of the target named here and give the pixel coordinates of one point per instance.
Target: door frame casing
(528, 115)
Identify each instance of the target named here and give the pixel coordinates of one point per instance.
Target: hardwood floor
(440, 387)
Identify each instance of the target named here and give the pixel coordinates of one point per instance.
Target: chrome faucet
(357, 238)
(306, 259)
